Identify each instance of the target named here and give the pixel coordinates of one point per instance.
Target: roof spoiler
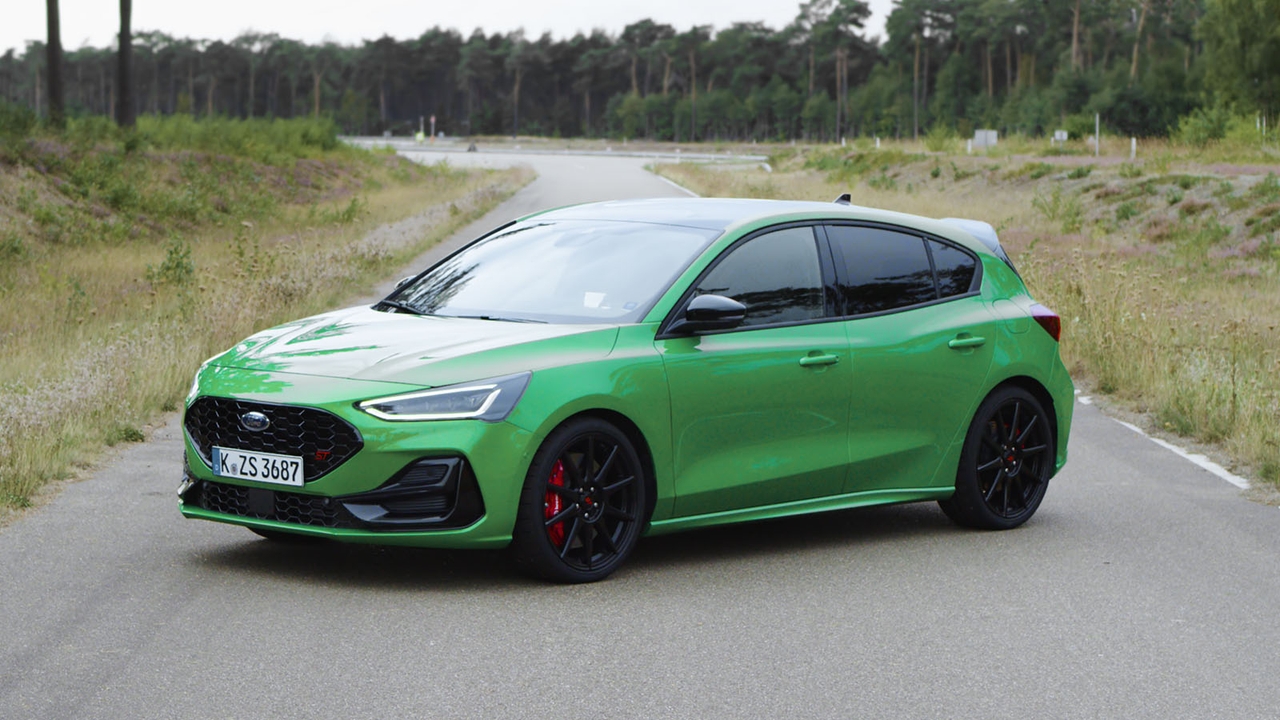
(983, 233)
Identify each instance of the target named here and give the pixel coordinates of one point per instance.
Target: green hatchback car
(584, 376)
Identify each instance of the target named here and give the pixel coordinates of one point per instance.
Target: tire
(1005, 465)
(582, 506)
(286, 537)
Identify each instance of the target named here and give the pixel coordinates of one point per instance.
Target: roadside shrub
(1203, 125)
(12, 248)
(177, 269)
(959, 174)
(1126, 211)
(1079, 126)
(940, 138)
(1081, 172)
(16, 121)
(1033, 170)
(1055, 207)
(91, 130)
(1267, 190)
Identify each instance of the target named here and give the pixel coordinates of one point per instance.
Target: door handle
(965, 340)
(825, 359)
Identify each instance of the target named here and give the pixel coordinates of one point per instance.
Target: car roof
(722, 214)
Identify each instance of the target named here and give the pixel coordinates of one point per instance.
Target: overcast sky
(95, 22)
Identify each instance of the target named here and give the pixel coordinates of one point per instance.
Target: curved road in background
(1144, 587)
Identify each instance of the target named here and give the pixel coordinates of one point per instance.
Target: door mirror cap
(706, 313)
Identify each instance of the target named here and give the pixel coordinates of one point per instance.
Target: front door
(760, 413)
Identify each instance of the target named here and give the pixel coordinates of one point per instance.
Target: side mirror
(404, 281)
(709, 312)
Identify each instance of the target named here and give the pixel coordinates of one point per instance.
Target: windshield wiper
(399, 306)
(497, 318)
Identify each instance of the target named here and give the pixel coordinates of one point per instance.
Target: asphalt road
(1144, 587)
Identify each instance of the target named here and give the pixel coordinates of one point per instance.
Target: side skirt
(801, 507)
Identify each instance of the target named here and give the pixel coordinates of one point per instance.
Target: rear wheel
(582, 506)
(1006, 463)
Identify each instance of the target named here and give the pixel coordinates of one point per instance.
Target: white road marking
(1194, 458)
(677, 186)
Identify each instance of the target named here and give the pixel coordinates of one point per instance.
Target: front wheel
(582, 506)
(1006, 463)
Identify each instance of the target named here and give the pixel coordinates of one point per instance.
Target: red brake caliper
(554, 504)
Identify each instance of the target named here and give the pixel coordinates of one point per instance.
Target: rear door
(921, 341)
(760, 413)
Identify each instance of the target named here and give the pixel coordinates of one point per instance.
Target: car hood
(365, 344)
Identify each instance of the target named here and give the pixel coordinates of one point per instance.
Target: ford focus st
(582, 377)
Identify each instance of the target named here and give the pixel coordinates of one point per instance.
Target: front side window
(883, 269)
(776, 275)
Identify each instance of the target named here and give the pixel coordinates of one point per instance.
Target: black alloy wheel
(582, 506)
(1005, 466)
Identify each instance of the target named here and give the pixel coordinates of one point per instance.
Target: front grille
(426, 494)
(270, 505)
(323, 439)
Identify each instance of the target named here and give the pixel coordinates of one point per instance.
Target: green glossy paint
(744, 424)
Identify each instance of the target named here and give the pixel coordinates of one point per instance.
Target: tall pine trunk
(1008, 67)
(53, 58)
(915, 93)
(315, 93)
(1075, 38)
(1137, 41)
(693, 96)
(126, 113)
(515, 103)
(991, 85)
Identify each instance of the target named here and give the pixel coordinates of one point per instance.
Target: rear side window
(883, 270)
(955, 269)
(776, 275)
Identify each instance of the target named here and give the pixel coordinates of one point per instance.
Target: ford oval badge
(254, 421)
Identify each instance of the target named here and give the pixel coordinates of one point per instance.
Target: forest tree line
(1024, 66)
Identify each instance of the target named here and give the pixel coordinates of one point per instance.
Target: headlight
(490, 400)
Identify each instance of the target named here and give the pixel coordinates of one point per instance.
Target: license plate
(260, 466)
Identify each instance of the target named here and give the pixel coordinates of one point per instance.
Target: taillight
(1048, 320)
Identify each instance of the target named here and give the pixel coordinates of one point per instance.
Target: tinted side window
(776, 275)
(955, 269)
(883, 270)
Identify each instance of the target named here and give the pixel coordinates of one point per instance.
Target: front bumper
(436, 493)
(428, 484)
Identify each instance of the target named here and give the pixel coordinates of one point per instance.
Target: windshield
(558, 271)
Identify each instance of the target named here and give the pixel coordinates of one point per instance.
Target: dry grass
(1166, 271)
(100, 337)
